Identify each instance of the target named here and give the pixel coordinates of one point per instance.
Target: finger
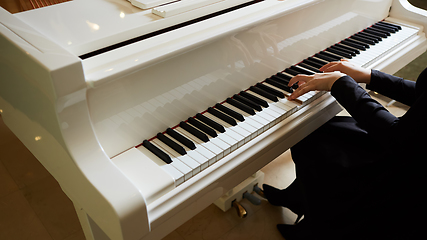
(300, 91)
(327, 65)
(330, 67)
(297, 78)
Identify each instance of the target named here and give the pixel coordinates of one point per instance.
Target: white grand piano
(84, 83)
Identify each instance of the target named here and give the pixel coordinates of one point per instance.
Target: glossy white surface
(142, 170)
(83, 26)
(181, 7)
(43, 101)
(145, 4)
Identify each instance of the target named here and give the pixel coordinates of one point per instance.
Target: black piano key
(361, 39)
(357, 42)
(279, 85)
(270, 90)
(280, 79)
(353, 51)
(264, 93)
(376, 33)
(254, 98)
(304, 65)
(347, 47)
(283, 76)
(178, 148)
(247, 102)
(211, 123)
(156, 151)
(384, 28)
(329, 56)
(291, 71)
(183, 140)
(341, 53)
(323, 57)
(369, 37)
(359, 46)
(230, 112)
(300, 70)
(313, 64)
(354, 45)
(200, 135)
(222, 116)
(241, 106)
(397, 27)
(319, 61)
(202, 127)
(379, 30)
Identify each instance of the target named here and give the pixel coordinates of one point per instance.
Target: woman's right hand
(359, 74)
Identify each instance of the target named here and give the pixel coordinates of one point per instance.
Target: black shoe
(279, 197)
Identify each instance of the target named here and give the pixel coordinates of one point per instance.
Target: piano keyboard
(200, 141)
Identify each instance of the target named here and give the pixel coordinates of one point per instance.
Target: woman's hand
(318, 81)
(359, 74)
(324, 81)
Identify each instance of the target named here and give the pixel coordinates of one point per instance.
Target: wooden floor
(14, 6)
(33, 206)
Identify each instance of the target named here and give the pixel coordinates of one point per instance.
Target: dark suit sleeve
(370, 114)
(388, 129)
(393, 87)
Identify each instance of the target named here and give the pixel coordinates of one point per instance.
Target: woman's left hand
(318, 81)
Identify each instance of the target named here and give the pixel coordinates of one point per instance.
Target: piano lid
(84, 26)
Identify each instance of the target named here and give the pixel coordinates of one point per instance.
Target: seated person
(364, 176)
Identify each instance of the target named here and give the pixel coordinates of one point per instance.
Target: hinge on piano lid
(168, 29)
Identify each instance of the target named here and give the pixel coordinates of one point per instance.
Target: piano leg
(91, 230)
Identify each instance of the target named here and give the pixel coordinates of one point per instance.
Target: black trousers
(349, 187)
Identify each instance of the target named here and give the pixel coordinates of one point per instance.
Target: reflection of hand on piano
(359, 74)
(318, 81)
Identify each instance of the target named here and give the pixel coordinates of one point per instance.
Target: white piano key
(169, 169)
(217, 142)
(228, 140)
(180, 166)
(271, 112)
(177, 175)
(265, 114)
(186, 159)
(244, 125)
(208, 149)
(252, 120)
(285, 109)
(200, 154)
(235, 132)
